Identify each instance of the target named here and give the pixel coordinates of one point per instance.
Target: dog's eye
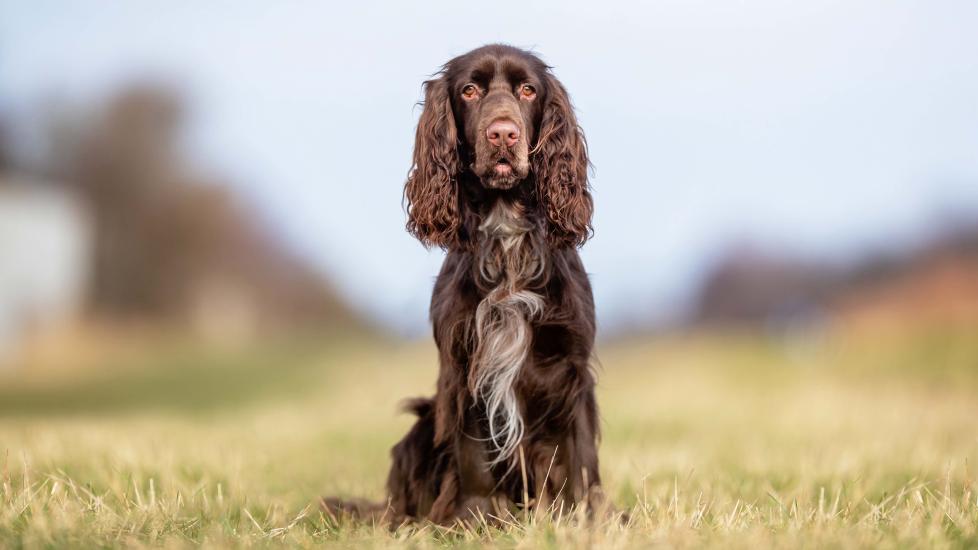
(527, 91)
(470, 91)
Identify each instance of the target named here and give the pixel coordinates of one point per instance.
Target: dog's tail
(418, 406)
(379, 512)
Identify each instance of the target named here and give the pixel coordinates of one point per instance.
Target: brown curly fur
(560, 164)
(431, 189)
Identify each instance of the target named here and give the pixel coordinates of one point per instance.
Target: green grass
(726, 442)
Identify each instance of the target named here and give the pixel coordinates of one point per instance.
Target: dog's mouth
(503, 167)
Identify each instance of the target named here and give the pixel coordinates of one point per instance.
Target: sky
(825, 127)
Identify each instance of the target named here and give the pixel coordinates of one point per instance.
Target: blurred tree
(747, 287)
(168, 243)
(4, 145)
(933, 284)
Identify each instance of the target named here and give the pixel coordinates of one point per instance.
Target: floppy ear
(560, 165)
(431, 191)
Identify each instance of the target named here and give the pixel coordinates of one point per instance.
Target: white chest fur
(507, 261)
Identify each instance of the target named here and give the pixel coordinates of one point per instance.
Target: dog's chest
(507, 268)
(507, 256)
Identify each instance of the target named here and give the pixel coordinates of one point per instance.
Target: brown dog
(500, 181)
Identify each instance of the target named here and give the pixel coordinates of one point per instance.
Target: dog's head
(499, 113)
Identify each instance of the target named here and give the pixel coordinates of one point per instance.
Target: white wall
(44, 258)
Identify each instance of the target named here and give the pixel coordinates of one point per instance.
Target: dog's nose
(503, 131)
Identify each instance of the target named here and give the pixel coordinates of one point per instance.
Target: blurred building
(45, 249)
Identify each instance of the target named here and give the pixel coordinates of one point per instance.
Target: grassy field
(708, 441)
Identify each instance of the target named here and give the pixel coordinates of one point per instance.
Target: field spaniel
(499, 180)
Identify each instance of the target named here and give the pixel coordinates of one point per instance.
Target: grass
(709, 441)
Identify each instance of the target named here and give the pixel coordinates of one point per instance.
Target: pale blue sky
(826, 126)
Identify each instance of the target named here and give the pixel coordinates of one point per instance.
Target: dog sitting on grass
(500, 181)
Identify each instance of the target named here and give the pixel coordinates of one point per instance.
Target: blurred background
(209, 306)
(231, 173)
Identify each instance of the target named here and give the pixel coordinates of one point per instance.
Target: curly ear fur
(431, 191)
(560, 164)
